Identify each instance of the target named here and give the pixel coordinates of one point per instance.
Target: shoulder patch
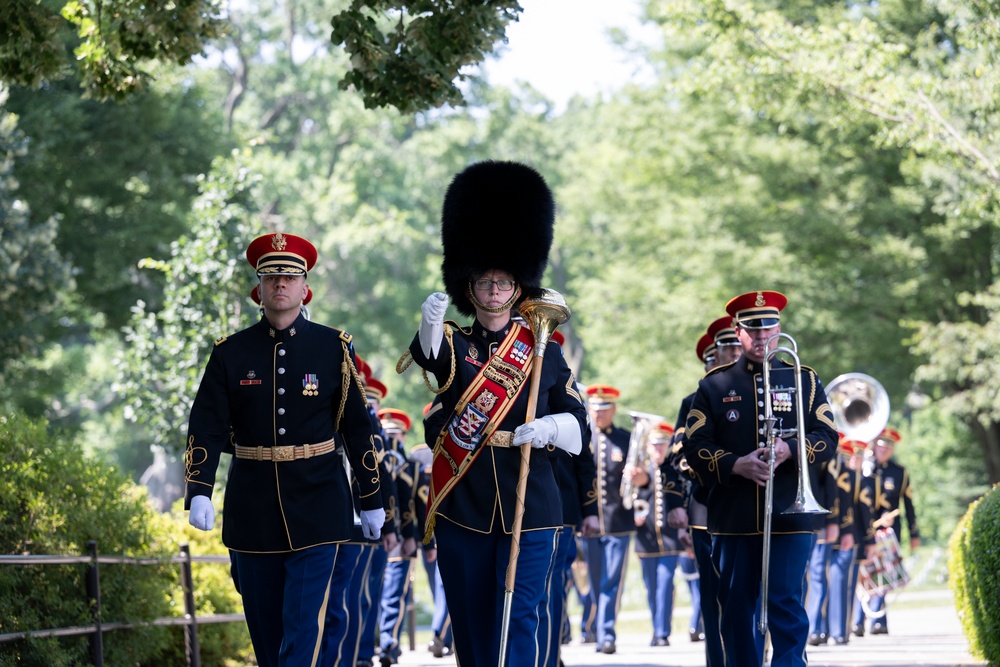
(346, 337)
(220, 340)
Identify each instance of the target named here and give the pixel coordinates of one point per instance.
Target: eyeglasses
(486, 285)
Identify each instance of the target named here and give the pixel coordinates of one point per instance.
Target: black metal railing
(96, 630)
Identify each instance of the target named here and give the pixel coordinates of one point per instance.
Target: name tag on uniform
(244, 383)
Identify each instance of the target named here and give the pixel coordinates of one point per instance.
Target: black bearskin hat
(496, 215)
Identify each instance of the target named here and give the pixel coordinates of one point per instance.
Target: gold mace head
(543, 315)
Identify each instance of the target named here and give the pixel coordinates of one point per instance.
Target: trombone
(805, 502)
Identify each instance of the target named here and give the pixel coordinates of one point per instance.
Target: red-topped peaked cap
(662, 432)
(756, 310)
(602, 396)
(364, 370)
(850, 447)
(375, 390)
(394, 419)
(255, 295)
(722, 332)
(889, 437)
(281, 254)
(705, 349)
(557, 337)
(499, 216)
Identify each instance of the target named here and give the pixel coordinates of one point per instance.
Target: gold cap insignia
(278, 241)
(760, 300)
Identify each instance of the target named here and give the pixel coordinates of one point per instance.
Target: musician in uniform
(727, 445)
(827, 533)
(496, 231)
(718, 346)
(607, 552)
(893, 494)
(855, 498)
(657, 544)
(282, 389)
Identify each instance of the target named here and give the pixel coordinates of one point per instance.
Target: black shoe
(696, 636)
(608, 647)
(840, 641)
(859, 630)
(387, 661)
(659, 641)
(363, 663)
(818, 639)
(437, 647)
(880, 629)
(588, 639)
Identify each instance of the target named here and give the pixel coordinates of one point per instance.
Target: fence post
(94, 597)
(191, 629)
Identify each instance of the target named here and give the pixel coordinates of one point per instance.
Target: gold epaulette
(220, 340)
(346, 337)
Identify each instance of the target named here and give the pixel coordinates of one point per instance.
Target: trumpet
(642, 424)
(805, 502)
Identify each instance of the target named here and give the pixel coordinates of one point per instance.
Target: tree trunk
(989, 441)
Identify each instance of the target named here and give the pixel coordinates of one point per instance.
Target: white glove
(371, 523)
(561, 430)
(431, 330)
(202, 514)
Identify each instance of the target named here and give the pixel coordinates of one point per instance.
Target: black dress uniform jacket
(654, 537)
(892, 483)
(855, 497)
(254, 388)
(486, 494)
(610, 452)
(726, 422)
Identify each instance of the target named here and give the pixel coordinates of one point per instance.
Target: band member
(826, 534)
(855, 498)
(726, 444)
(656, 544)
(496, 231)
(893, 494)
(719, 346)
(607, 553)
(284, 464)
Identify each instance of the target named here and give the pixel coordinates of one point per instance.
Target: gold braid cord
(407, 359)
(347, 371)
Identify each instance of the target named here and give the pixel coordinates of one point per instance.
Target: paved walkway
(924, 630)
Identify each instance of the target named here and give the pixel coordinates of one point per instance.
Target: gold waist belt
(501, 439)
(285, 452)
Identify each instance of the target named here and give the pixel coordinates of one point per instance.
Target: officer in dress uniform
(893, 494)
(607, 553)
(719, 346)
(855, 498)
(726, 444)
(577, 480)
(657, 544)
(496, 231)
(827, 533)
(282, 389)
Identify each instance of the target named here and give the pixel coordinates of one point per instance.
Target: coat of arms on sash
(466, 428)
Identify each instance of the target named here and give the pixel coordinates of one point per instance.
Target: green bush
(53, 501)
(974, 566)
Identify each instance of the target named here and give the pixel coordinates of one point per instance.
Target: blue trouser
(689, 568)
(841, 591)
(283, 594)
(738, 559)
(588, 600)
(658, 575)
(607, 557)
(441, 623)
(339, 640)
(358, 603)
(876, 604)
(396, 594)
(370, 604)
(709, 584)
(553, 607)
(816, 596)
(473, 568)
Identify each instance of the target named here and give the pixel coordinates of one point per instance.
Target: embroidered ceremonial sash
(482, 407)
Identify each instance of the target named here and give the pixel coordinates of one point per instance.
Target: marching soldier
(726, 446)
(607, 552)
(893, 495)
(827, 533)
(855, 498)
(283, 389)
(496, 229)
(657, 544)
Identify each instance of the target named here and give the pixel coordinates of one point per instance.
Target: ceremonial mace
(543, 315)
